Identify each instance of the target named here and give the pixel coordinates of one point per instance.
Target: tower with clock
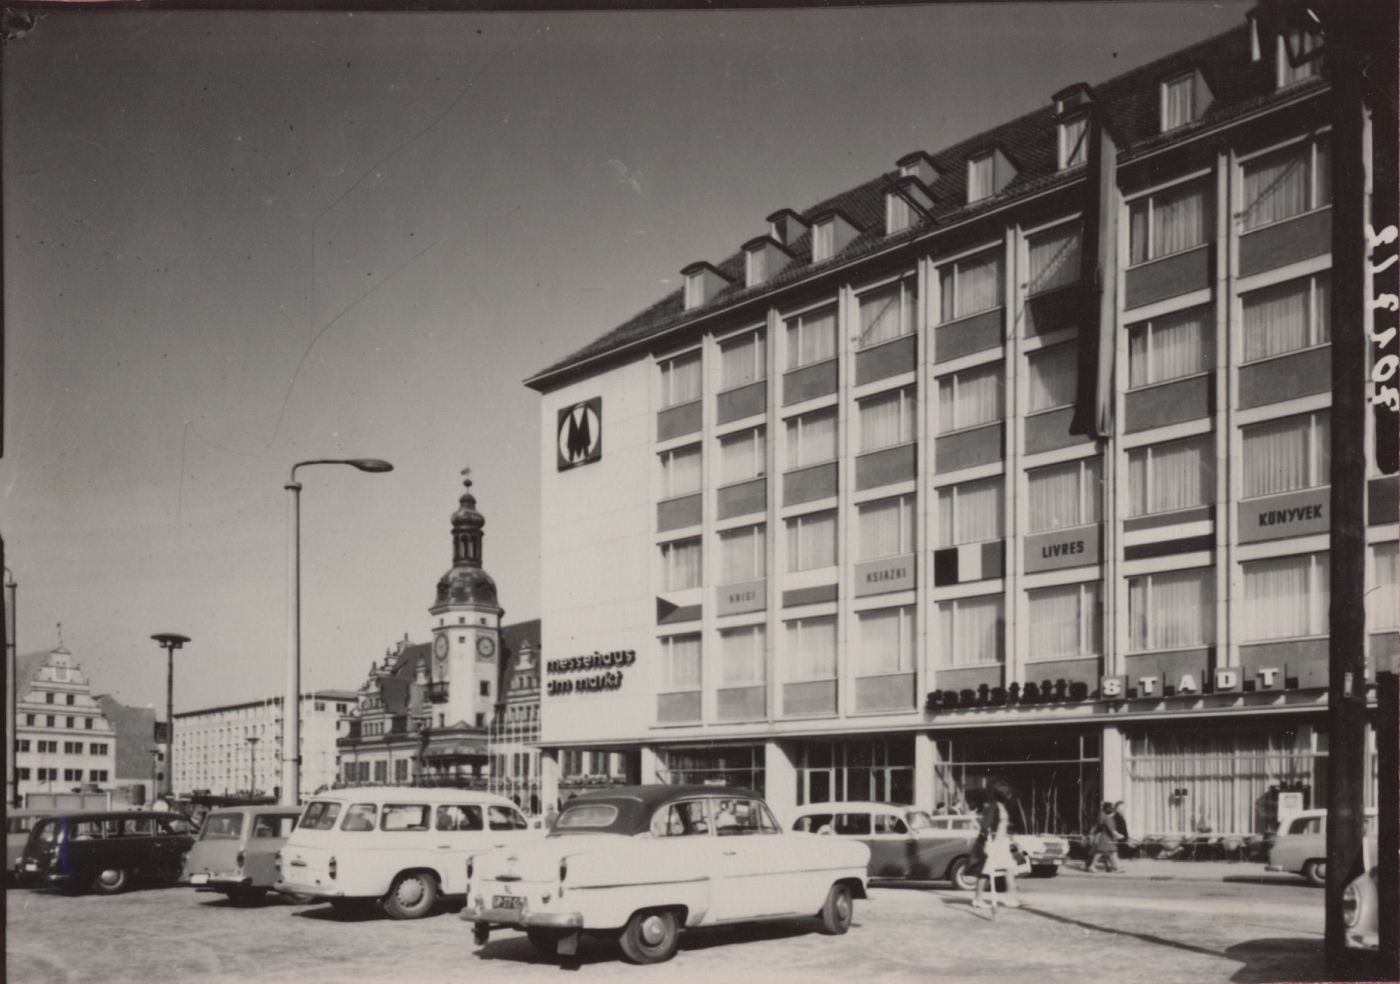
(467, 623)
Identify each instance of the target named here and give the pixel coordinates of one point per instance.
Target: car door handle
(730, 854)
(498, 846)
(444, 847)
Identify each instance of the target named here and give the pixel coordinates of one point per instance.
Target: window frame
(670, 564)
(1207, 440)
(757, 437)
(667, 458)
(907, 399)
(1072, 156)
(949, 607)
(905, 286)
(974, 161)
(1309, 69)
(906, 635)
(1089, 618)
(667, 369)
(1194, 111)
(1086, 498)
(755, 658)
(1317, 600)
(1202, 181)
(904, 506)
(1034, 355)
(757, 535)
(956, 267)
(1318, 475)
(1150, 645)
(1149, 326)
(792, 438)
(793, 524)
(796, 325)
(755, 339)
(793, 629)
(997, 368)
(823, 239)
(1314, 324)
(1311, 141)
(668, 667)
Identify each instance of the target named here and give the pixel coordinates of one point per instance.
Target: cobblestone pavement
(1119, 928)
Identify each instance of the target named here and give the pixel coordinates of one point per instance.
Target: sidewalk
(1211, 871)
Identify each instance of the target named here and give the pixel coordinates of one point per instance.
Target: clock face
(485, 647)
(440, 647)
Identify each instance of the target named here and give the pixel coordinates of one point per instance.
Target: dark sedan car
(106, 852)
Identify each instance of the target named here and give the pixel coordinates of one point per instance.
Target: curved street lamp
(291, 709)
(170, 641)
(12, 675)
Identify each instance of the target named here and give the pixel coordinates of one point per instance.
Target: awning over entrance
(457, 750)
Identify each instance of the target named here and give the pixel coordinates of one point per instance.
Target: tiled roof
(1131, 103)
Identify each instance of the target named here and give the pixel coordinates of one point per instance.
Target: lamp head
(370, 464)
(170, 640)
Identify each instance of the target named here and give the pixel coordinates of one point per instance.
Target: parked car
(904, 841)
(403, 847)
(1302, 846)
(236, 852)
(106, 851)
(1046, 852)
(1361, 911)
(640, 863)
(18, 823)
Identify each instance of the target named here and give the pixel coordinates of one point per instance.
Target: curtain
(823, 241)
(1054, 374)
(970, 512)
(1073, 142)
(1171, 476)
(969, 398)
(811, 541)
(812, 338)
(741, 657)
(887, 528)
(811, 439)
(811, 648)
(682, 662)
(1064, 495)
(1276, 186)
(979, 177)
(741, 456)
(741, 554)
(887, 641)
(1285, 597)
(1322, 311)
(681, 380)
(1057, 617)
(1179, 105)
(1168, 348)
(971, 631)
(682, 564)
(1383, 600)
(1179, 219)
(979, 284)
(1054, 259)
(1276, 320)
(887, 420)
(1171, 611)
(1278, 456)
(886, 313)
(741, 362)
(682, 472)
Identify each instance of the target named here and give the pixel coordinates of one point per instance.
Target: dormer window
(694, 290)
(906, 203)
(763, 258)
(785, 226)
(755, 270)
(702, 283)
(823, 240)
(917, 165)
(897, 214)
(1074, 140)
(980, 172)
(1184, 99)
(1301, 43)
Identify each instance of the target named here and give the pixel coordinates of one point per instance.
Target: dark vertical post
(1388, 838)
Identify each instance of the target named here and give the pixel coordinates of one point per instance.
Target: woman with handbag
(1103, 842)
(995, 850)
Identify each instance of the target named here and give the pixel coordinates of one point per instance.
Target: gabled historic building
(65, 741)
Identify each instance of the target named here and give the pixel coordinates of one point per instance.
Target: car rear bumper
(523, 918)
(301, 888)
(1274, 867)
(216, 882)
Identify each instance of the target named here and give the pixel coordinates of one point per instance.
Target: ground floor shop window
(740, 766)
(881, 770)
(1055, 779)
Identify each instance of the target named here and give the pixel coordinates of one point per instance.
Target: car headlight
(1351, 906)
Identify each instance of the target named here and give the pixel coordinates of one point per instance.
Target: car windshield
(223, 826)
(591, 816)
(320, 815)
(918, 820)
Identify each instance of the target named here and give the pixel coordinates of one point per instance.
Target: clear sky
(234, 240)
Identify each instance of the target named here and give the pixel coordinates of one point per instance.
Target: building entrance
(1057, 778)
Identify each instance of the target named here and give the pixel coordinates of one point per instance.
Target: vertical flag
(1093, 407)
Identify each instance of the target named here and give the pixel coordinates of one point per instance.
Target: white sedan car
(641, 863)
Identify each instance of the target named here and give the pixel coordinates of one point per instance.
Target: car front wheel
(837, 912)
(1316, 873)
(650, 937)
(412, 896)
(963, 874)
(110, 881)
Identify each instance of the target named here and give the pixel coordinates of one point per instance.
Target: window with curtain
(887, 420)
(1067, 620)
(755, 267)
(694, 290)
(811, 338)
(1062, 496)
(1170, 347)
(811, 439)
(742, 456)
(742, 361)
(1287, 317)
(823, 240)
(980, 177)
(886, 641)
(886, 528)
(970, 512)
(971, 631)
(887, 313)
(970, 397)
(741, 657)
(1287, 454)
(969, 286)
(1172, 610)
(1053, 376)
(742, 554)
(1054, 258)
(1169, 221)
(897, 214)
(811, 541)
(1175, 475)
(680, 380)
(680, 472)
(1286, 182)
(1178, 101)
(681, 561)
(1302, 42)
(1074, 139)
(1383, 589)
(1285, 597)
(809, 646)
(680, 662)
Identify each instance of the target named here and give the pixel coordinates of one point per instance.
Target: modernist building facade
(819, 523)
(236, 749)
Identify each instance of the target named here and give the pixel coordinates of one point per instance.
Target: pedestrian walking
(1120, 828)
(1103, 841)
(995, 851)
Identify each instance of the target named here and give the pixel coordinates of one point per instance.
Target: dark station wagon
(106, 852)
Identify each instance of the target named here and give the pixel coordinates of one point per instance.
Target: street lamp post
(291, 705)
(12, 674)
(252, 741)
(170, 641)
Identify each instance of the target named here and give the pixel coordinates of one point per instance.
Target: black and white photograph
(682, 491)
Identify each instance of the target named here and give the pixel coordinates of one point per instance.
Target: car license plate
(507, 902)
(199, 879)
(31, 866)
